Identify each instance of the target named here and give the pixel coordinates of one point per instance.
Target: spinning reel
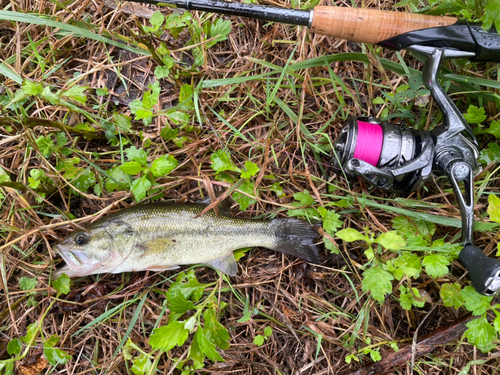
(400, 159)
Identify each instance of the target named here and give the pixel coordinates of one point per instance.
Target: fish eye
(82, 239)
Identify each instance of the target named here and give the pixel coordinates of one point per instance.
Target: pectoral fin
(226, 264)
(157, 245)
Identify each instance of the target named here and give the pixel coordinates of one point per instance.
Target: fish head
(100, 248)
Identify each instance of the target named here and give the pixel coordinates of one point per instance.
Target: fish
(163, 236)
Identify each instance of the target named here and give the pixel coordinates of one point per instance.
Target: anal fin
(226, 264)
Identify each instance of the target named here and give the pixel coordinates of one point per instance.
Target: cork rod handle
(370, 25)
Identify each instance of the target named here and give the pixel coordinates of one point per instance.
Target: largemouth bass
(162, 236)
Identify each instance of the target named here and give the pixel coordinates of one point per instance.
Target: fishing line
(369, 142)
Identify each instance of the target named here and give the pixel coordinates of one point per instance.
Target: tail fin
(296, 237)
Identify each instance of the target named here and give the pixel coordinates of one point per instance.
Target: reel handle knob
(484, 271)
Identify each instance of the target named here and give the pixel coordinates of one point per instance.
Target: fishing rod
(394, 30)
(391, 157)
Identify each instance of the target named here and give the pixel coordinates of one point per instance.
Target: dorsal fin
(224, 206)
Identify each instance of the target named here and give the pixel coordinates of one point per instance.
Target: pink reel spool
(369, 142)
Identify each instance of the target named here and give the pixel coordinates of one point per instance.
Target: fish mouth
(74, 259)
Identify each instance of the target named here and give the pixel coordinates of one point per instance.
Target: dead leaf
(33, 365)
(129, 8)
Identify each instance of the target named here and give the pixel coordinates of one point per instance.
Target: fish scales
(162, 236)
(205, 238)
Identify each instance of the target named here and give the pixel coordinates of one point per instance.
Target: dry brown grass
(296, 298)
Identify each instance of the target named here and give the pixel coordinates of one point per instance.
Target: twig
(426, 344)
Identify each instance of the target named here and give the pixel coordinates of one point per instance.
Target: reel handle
(483, 270)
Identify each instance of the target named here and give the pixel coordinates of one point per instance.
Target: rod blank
(262, 12)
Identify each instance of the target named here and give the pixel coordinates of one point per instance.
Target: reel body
(400, 159)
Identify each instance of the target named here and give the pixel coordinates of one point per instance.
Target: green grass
(101, 113)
